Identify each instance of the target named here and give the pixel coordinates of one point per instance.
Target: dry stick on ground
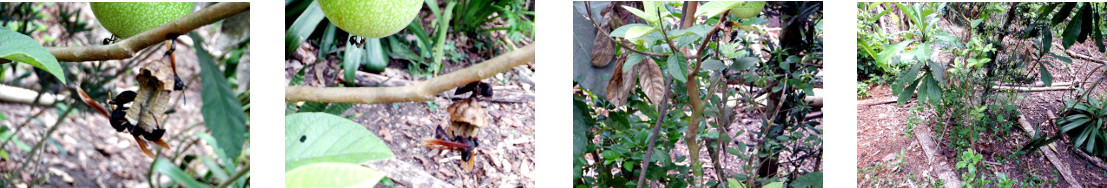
(418, 92)
(130, 46)
(1082, 56)
(400, 172)
(944, 172)
(1057, 162)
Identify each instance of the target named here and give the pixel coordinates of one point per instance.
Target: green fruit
(126, 19)
(747, 9)
(371, 18)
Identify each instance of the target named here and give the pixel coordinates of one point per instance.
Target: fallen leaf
(385, 134)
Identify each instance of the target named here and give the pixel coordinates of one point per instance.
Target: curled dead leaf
(621, 83)
(603, 49)
(155, 84)
(650, 79)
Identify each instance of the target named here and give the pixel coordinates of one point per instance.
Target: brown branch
(421, 91)
(130, 46)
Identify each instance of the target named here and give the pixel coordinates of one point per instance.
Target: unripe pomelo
(747, 9)
(126, 19)
(371, 18)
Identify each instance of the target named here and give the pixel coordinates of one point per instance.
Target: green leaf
(734, 183)
(884, 58)
(632, 59)
(21, 48)
(638, 31)
(178, 175)
(744, 63)
(622, 30)
(376, 61)
(329, 138)
(1072, 31)
(813, 180)
(976, 22)
(1047, 40)
(1098, 31)
(1063, 13)
(214, 168)
(774, 185)
(934, 90)
(714, 65)
(332, 175)
(1046, 77)
(302, 28)
(222, 110)
(907, 92)
(650, 17)
(677, 67)
(714, 8)
(351, 61)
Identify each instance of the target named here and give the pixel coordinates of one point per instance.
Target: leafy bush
(1087, 123)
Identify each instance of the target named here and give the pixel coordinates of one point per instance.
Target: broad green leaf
(743, 63)
(321, 137)
(1098, 34)
(1046, 77)
(699, 30)
(332, 175)
(907, 92)
(1047, 40)
(809, 180)
(584, 33)
(222, 110)
(734, 183)
(21, 48)
(1072, 31)
(934, 90)
(884, 58)
(938, 69)
(714, 8)
(633, 59)
(638, 31)
(622, 30)
(977, 22)
(580, 140)
(774, 185)
(1063, 13)
(165, 167)
(714, 65)
(1062, 58)
(302, 28)
(677, 67)
(905, 77)
(375, 60)
(214, 168)
(351, 61)
(649, 17)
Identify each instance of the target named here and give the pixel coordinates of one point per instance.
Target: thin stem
(661, 113)
(42, 141)
(234, 177)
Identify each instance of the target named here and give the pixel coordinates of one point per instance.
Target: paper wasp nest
(466, 117)
(155, 83)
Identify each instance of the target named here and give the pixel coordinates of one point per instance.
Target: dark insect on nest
(466, 118)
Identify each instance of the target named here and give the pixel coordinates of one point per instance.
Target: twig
(1082, 56)
(22, 95)
(234, 177)
(421, 91)
(661, 113)
(42, 141)
(130, 46)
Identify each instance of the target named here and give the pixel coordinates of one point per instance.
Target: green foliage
(1085, 123)
(314, 154)
(222, 110)
(967, 164)
(21, 48)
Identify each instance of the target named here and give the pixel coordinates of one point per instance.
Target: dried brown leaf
(603, 49)
(621, 83)
(650, 79)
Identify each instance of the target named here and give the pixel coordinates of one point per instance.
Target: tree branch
(130, 46)
(421, 91)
